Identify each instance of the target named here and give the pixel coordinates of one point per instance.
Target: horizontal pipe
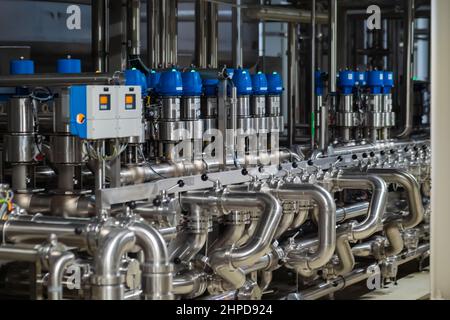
(55, 79)
(283, 14)
(351, 211)
(15, 231)
(14, 253)
(152, 172)
(357, 275)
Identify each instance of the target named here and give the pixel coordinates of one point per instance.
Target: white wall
(440, 105)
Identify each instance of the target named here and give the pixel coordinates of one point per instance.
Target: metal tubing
(134, 27)
(100, 25)
(283, 14)
(188, 243)
(107, 280)
(412, 188)
(35, 232)
(357, 275)
(212, 22)
(351, 211)
(156, 269)
(192, 284)
(236, 32)
(59, 261)
(313, 69)
(200, 34)
(228, 262)
(408, 61)
(51, 79)
(14, 253)
(293, 94)
(344, 253)
(327, 223)
(153, 33)
(19, 177)
(377, 206)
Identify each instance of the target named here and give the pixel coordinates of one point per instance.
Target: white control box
(106, 112)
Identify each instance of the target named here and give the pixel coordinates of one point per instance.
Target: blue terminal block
(274, 84)
(375, 81)
(192, 83)
(361, 78)
(68, 66)
(259, 84)
(346, 81)
(153, 80)
(210, 87)
(134, 77)
(388, 82)
(319, 83)
(21, 66)
(243, 82)
(170, 84)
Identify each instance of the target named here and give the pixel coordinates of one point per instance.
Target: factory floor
(410, 286)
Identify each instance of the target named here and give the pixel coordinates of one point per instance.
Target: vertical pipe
(153, 33)
(238, 60)
(134, 27)
(408, 69)
(324, 131)
(65, 177)
(313, 71)
(213, 35)
(19, 177)
(99, 19)
(58, 265)
(200, 34)
(333, 45)
(293, 81)
(440, 201)
(173, 21)
(164, 30)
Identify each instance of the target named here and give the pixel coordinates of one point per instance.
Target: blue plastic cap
(388, 81)
(69, 66)
(210, 87)
(243, 82)
(170, 84)
(274, 83)
(153, 79)
(21, 66)
(134, 77)
(346, 81)
(230, 72)
(192, 83)
(259, 83)
(375, 80)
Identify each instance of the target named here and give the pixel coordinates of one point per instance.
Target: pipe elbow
(412, 187)
(157, 271)
(222, 263)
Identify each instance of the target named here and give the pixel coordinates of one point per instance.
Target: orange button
(81, 118)
(103, 99)
(129, 99)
